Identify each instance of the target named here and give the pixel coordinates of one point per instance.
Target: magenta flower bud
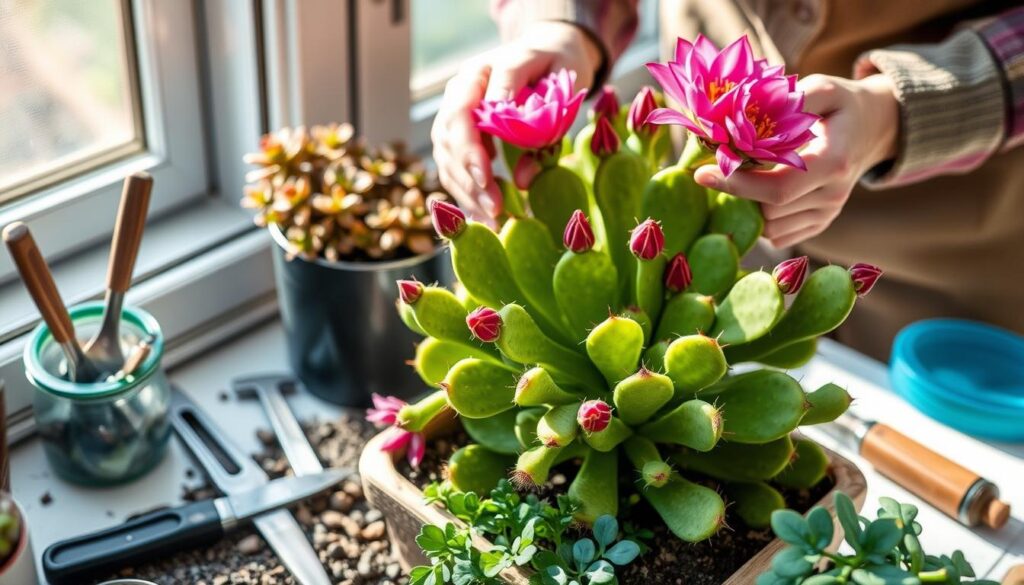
(678, 276)
(594, 416)
(864, 277)
(642, 106)
(605, 141)
(790, 274)
(578, 236)
(647, 240)
(448, 219)
(606, 104)
(409, 291)
(485, 324)
(527, 167)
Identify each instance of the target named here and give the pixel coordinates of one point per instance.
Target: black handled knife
(161, 533)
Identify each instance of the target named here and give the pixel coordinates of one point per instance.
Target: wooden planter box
(402, 504)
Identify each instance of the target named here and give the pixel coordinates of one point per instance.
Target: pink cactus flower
(741, 107)
(385, 413)
(606, 104)
(606, 140)
(578, 235)
(790, 274)
(864, 277)
(448, 219)
(538, 116)
(409, 291)
(647, 240)
(485, 324)
(642, 106)
(678, 275)
(594, 416)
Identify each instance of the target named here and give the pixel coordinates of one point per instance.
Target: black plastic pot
(345, 338)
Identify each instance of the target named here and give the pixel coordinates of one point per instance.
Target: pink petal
(381, 417)
(396, 440)
(727, 160)
(668, 116)
(417, 448)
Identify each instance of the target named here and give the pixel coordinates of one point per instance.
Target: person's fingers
(777, 186)
(822, 94)
(514, 70)
(455, 187)
(775, 230)
(819, 198)
(797, 237)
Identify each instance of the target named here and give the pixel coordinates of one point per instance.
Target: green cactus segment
(611, 437)
(434, 357)
(750, 310)
(537, 388)
(641, 395)
(681, 206)
(792, 356)
(415, 417)
(654, 357)
(532, 258)
(585, 161)
(738, 218)
(649, 293)
(809, 466)
(637, 314)
(483, 267)
(827, 403)
(694, 424)
(618, 186)
(534, 465)
(755, 502)
(406, 314)
(512, 198)
(586, 289)
(523, 342)
(686, 314)
(714, 261)
(479, 389)
(692, 512)
(694, 362)
(823, 303)
(497, 432)
(738, 462)
(554, 194)
(759, 406)
(614, 346)
(558, 427)
(440, 314)
(477, 469)
(526, 426)
(593, 490)
(645, 457)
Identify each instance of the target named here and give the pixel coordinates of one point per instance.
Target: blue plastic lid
(965, 374)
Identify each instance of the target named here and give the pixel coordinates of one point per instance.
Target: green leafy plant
(886, 551)
(523, 531)
(10, 527)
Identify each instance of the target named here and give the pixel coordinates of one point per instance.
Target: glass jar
(105, 432)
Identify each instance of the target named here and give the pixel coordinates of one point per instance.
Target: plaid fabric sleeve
(961, 100)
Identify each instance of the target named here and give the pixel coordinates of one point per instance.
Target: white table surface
(75, 509)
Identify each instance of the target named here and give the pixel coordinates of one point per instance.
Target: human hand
(858, 130)
(463, 160)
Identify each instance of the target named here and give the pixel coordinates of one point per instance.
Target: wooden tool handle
(131, 220)
(38, 280)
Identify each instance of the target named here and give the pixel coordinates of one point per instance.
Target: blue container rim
(367, 266)
(906, 357)
(46, 381)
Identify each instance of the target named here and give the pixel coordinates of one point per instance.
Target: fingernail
(487, 203)
(478, 176)
(708, 180)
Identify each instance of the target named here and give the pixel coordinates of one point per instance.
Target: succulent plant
(334, 197)
(10, 527)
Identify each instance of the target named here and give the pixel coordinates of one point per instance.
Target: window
(69, 99)
(441, 39)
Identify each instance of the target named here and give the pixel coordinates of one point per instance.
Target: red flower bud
(578, 236)
(448, 219)
(605, 141)
(790, 274)
(485, 324)
(642, 106)
(678, 276)
(527, 167)
(864, 277)
(606, 104)
(594, 416)
(647, 240)
(410, 291)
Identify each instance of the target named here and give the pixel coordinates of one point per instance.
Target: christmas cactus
(581, 333)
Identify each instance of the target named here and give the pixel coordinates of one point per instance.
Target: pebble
(373, 531)
(250, 545)
(341, 501)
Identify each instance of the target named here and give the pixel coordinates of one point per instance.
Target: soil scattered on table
(349, 536)
(670, 560)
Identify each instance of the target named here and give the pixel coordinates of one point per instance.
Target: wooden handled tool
(43, 290)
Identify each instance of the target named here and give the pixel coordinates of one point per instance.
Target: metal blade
(284, 535)
(283, 492)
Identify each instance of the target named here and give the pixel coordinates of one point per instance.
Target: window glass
(68, 99)
(443, 37)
